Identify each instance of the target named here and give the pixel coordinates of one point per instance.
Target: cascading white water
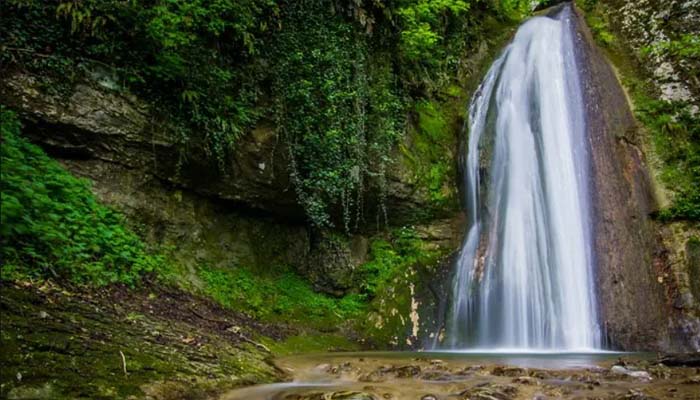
(524, 278)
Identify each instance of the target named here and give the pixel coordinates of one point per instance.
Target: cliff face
(623, 234)
(640, 275)
(94, 122)
(647, 271)
(246, 217)
(646, 24)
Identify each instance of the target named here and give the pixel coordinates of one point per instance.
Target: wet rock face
(693, 251)
(625, 242)
(333, 262)
(646, 27)
(642, 264)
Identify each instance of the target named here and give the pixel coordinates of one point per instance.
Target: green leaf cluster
(423, 23)
(52, 225)
(684, 50)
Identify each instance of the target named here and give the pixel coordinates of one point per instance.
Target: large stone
(333, 261)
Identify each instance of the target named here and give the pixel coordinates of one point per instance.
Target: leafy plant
(422, 24)
(52, 225)
(338, 111)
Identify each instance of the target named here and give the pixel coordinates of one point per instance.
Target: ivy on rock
(339, 111)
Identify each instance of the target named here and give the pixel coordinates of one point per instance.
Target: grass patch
(278, 295)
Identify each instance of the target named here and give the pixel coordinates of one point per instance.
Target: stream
(473, 375)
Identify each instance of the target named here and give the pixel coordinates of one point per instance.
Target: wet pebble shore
(375, 378)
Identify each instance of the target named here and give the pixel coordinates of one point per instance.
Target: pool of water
(528, 359)
(501, 374)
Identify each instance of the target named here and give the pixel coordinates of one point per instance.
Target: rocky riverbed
(404, 376)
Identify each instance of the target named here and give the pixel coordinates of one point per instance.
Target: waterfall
(524, 276)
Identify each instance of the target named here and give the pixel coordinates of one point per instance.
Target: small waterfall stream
(524, 277)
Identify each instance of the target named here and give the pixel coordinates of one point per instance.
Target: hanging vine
(339, 116)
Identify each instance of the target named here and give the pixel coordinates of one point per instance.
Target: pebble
(641, 375)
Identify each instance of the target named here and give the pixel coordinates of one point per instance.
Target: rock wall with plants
(293, 161)
(653, 47)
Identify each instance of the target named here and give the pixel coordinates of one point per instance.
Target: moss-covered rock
(406, 279)
(60, 344)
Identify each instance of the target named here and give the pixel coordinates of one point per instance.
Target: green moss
(693, 259)
(59, 346)
(675, 134)
(400, 264)
(431, 153)
(277, 295)
(390, 257)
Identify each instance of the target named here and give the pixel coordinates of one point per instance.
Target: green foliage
(391, 258)
(686, 47)
(675, 132)
(422, 23)
(193, 58)
(684, 50)
(434, 132)
(276, 296)
(336, 75)
(601, 32)
(428, 157)
(598, 23)
(338, 111)
(518, 9)
(52, 225)
(587, 5)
